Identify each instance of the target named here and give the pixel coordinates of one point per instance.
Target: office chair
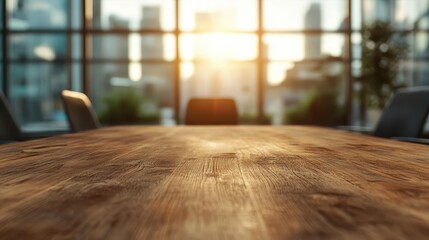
(211, 111)
(80, 114)
(10, 131)
(403, 118)
(405, 114)
(9, 128)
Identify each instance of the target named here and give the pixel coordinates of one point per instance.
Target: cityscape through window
(276, 58)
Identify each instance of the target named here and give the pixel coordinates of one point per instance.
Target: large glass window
(132, 14)
(37, 61)
(407, 21)
(294, 61)
(218, 53)
(34, 93)
(38, 14)
(220, 15)
(131, 49)
(301, 15)
(305, 59)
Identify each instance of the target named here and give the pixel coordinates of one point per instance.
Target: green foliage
(122, 106)
(319, 108)
(382, 50)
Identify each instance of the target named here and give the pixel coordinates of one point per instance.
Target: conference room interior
(140, 62)
(214, 119)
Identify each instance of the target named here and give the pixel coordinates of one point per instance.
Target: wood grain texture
(239, 182)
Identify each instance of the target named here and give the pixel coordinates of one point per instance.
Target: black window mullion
(85, 80)
(261, 67)
(176, 85)
(349, 57)
(5, 49)
(128, 31)
(69, 45)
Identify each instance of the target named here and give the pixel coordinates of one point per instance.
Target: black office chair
(211, 111)
(9, 128)
(403, 118)
(80, 114)
(405, 115)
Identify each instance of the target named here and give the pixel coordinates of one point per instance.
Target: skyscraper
(151, 17)
(312, 21)
(152, 46)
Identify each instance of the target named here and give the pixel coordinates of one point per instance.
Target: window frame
(85, 31)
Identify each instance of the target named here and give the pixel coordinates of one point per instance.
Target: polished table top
(243, 182)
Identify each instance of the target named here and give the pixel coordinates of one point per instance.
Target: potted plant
(123, 106)
(382, 51)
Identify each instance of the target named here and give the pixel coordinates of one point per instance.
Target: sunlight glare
(45, 52)
(285, 47)
(218, 47)
(277, 72)
(135, 71)
(134, 50)
(187, 45)
(214, 46)
(169, 47)
(187, 71)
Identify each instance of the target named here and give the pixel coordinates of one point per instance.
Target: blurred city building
(35, 85)
(135, 49)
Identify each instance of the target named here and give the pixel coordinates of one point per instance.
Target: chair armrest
(424, 141)
(359, 129)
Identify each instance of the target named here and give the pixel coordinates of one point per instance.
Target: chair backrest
(9, 128)
(211, 111)
(405, 115)
(80, 114)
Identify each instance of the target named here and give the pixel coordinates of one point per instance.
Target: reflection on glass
(46, 47)
(304, 14)
(220, 15)
(143, 99)
(403, 14)
(218, 80)
(296, 47)
(309, 93)
(37, 14)
(34, 93)
(218, 46)
(133, 14)
(134, 47)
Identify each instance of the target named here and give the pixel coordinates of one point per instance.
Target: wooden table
(239, 182)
